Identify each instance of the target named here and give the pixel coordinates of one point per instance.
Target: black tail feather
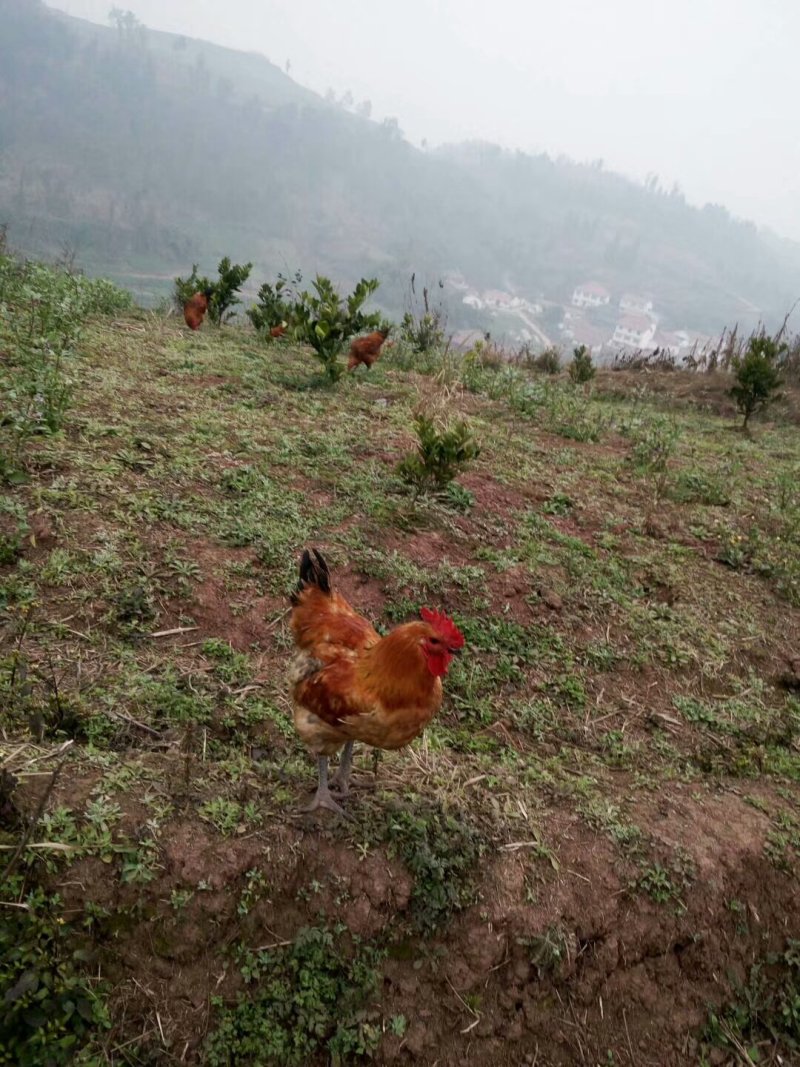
(313, 571)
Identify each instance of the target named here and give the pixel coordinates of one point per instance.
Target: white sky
(702, 92)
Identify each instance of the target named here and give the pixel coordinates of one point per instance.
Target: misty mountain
(145, 151)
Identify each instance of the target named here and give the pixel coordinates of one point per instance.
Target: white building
(590, 295)
(634, 331)
(635, 305)
(472, 300)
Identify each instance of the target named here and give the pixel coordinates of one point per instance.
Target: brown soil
(633, 976)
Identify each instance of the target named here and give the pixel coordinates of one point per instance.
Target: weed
(758, 375)
(228, 816)
(224, 291)
(764, 1011)
(303, 1000)
(547, 951)
(442, 453)
(654, 443)
(441, 852)
(326, 321)
(581, 369)
(51, 1006)
(547, 362)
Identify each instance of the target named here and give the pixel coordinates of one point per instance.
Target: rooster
(367, 349)
(278, 331)
(195, 308)
(350, 684)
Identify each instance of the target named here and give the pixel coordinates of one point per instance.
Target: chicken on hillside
(195, 308)
(350, 684)
(367, 349)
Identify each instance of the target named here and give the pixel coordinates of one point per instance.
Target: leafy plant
(442, 852)
(185, 288)
(547, 362)
(653, 446)
(224, 298)
(50, 1004)
(224, 291)
(42, 312)
(302, 1000)
(422, 327)
(442, 453)
(326, 321)
(758, 375)
(581, 369)
(766, 1009)
(275, 305)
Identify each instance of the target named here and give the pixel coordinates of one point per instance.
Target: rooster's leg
(322, 798)
(341, 780)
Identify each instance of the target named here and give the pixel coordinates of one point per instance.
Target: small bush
(581, 369)
(423, 326)
(185, 288)
(50, 1006)
(232, 277)
(766, 1011)
(442, 453)
(326, 321)
(758, 376)
(224, 291)
(547, 362)
(654, 444)
(303, 1001)
(442, 852)
(275, 305)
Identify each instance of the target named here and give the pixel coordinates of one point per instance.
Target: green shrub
(326, 321)
(42, 312)
(185, 288)
(232, 277)
(766, 1011)
(303, 1001)
(51, 1006)
(547, 362)
(224, 291)
(654, 444)
(581, 369)
(442, 852)
(13, 529)
(423, 326)
(442, 452)
(758, 375)
(275, 306)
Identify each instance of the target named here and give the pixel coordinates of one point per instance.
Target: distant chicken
(195, 308)
(350, 684)
(278, 331)
(367, 349)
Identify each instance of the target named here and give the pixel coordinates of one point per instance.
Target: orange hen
(350, 684)
(195, 308)
(367, 349)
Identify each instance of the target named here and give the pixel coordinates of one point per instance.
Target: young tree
(758, 376)
(224, 291)
(581, 369)
(275, 306)
(326, 321)
(232, 277)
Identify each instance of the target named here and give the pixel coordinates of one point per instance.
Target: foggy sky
(702, 92)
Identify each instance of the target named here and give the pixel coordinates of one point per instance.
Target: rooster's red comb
(444, 626)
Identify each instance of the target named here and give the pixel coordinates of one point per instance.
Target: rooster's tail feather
(313, 571)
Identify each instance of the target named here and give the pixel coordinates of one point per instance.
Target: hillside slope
(594, 842)
(144, 151)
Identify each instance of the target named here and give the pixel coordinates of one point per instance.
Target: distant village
(609, 326)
